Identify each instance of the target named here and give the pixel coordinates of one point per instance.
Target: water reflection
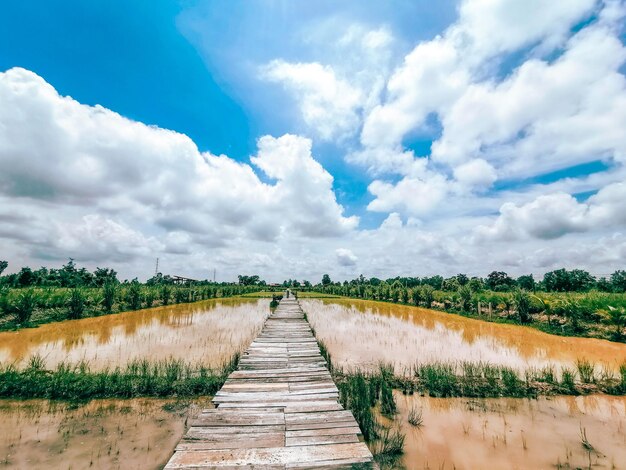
(363, 333)
(514, 433)
(209, 331)
(106, 434)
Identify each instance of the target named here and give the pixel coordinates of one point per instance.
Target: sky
(291, 139)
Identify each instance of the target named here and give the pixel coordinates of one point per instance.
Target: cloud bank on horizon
(497, 143)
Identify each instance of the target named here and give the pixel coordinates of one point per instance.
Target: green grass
(138, 378)
(484, 380)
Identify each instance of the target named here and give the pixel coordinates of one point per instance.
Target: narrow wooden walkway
(278, 410)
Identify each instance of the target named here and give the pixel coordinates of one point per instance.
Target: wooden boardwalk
(278, 410)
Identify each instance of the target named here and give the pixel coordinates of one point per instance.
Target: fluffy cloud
(436, 73)
(475, 173)
(345, 257)
(563, 106)
(332, 98)
(568, 111)
(328, 104)
(94, 182)
(555, 215)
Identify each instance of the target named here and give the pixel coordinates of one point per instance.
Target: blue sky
(420, 133)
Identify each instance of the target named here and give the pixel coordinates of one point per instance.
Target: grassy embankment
(28, 307)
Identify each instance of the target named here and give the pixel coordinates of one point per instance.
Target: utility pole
(156, 268)
(214, 271)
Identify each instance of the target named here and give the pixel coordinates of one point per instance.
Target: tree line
(40, 296)
(560, 280)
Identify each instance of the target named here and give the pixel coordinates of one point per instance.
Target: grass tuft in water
(389, 447)
(415, 417)
(586, 370)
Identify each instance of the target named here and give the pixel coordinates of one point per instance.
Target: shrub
(428, 295)
(465, 298)
(24, 306)
(133, 296)
(166, 293)
(76, 304)
(521, 300)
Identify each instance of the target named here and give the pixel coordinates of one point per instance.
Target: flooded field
(364, 333)
(514, 433)
(210, 332)
(103, 434)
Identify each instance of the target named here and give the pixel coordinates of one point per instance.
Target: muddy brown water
(102, 434)
(209, 332)
(461, 433)
(364, 333)
(513, 433)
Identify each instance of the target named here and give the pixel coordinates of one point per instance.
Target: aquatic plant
(415, 416)
(586, 370)
(389, 447)
(568, 380)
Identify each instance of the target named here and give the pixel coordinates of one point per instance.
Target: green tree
(526, 282)
(103, 275)
(22, 307)
(133, 295)
(326, 280)
(428, 295)
(108, 295)
(465, 298)
(3, 266)
(476, 284)
(25, 277)
(248, 280)
(166, 293)
(450, 284)
(618, 281)
(404, 296)
(76, 304)
(416, 295)
(499, 281)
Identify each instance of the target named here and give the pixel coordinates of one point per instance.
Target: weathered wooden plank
(311, 408)
(238, 429)
(311, 454)
(324, 432)
(323, 417)
(278, 410)
(312, 440)
(337, 464)
(197, 440)
(237, 419)
(334, 424)
(277, 404)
